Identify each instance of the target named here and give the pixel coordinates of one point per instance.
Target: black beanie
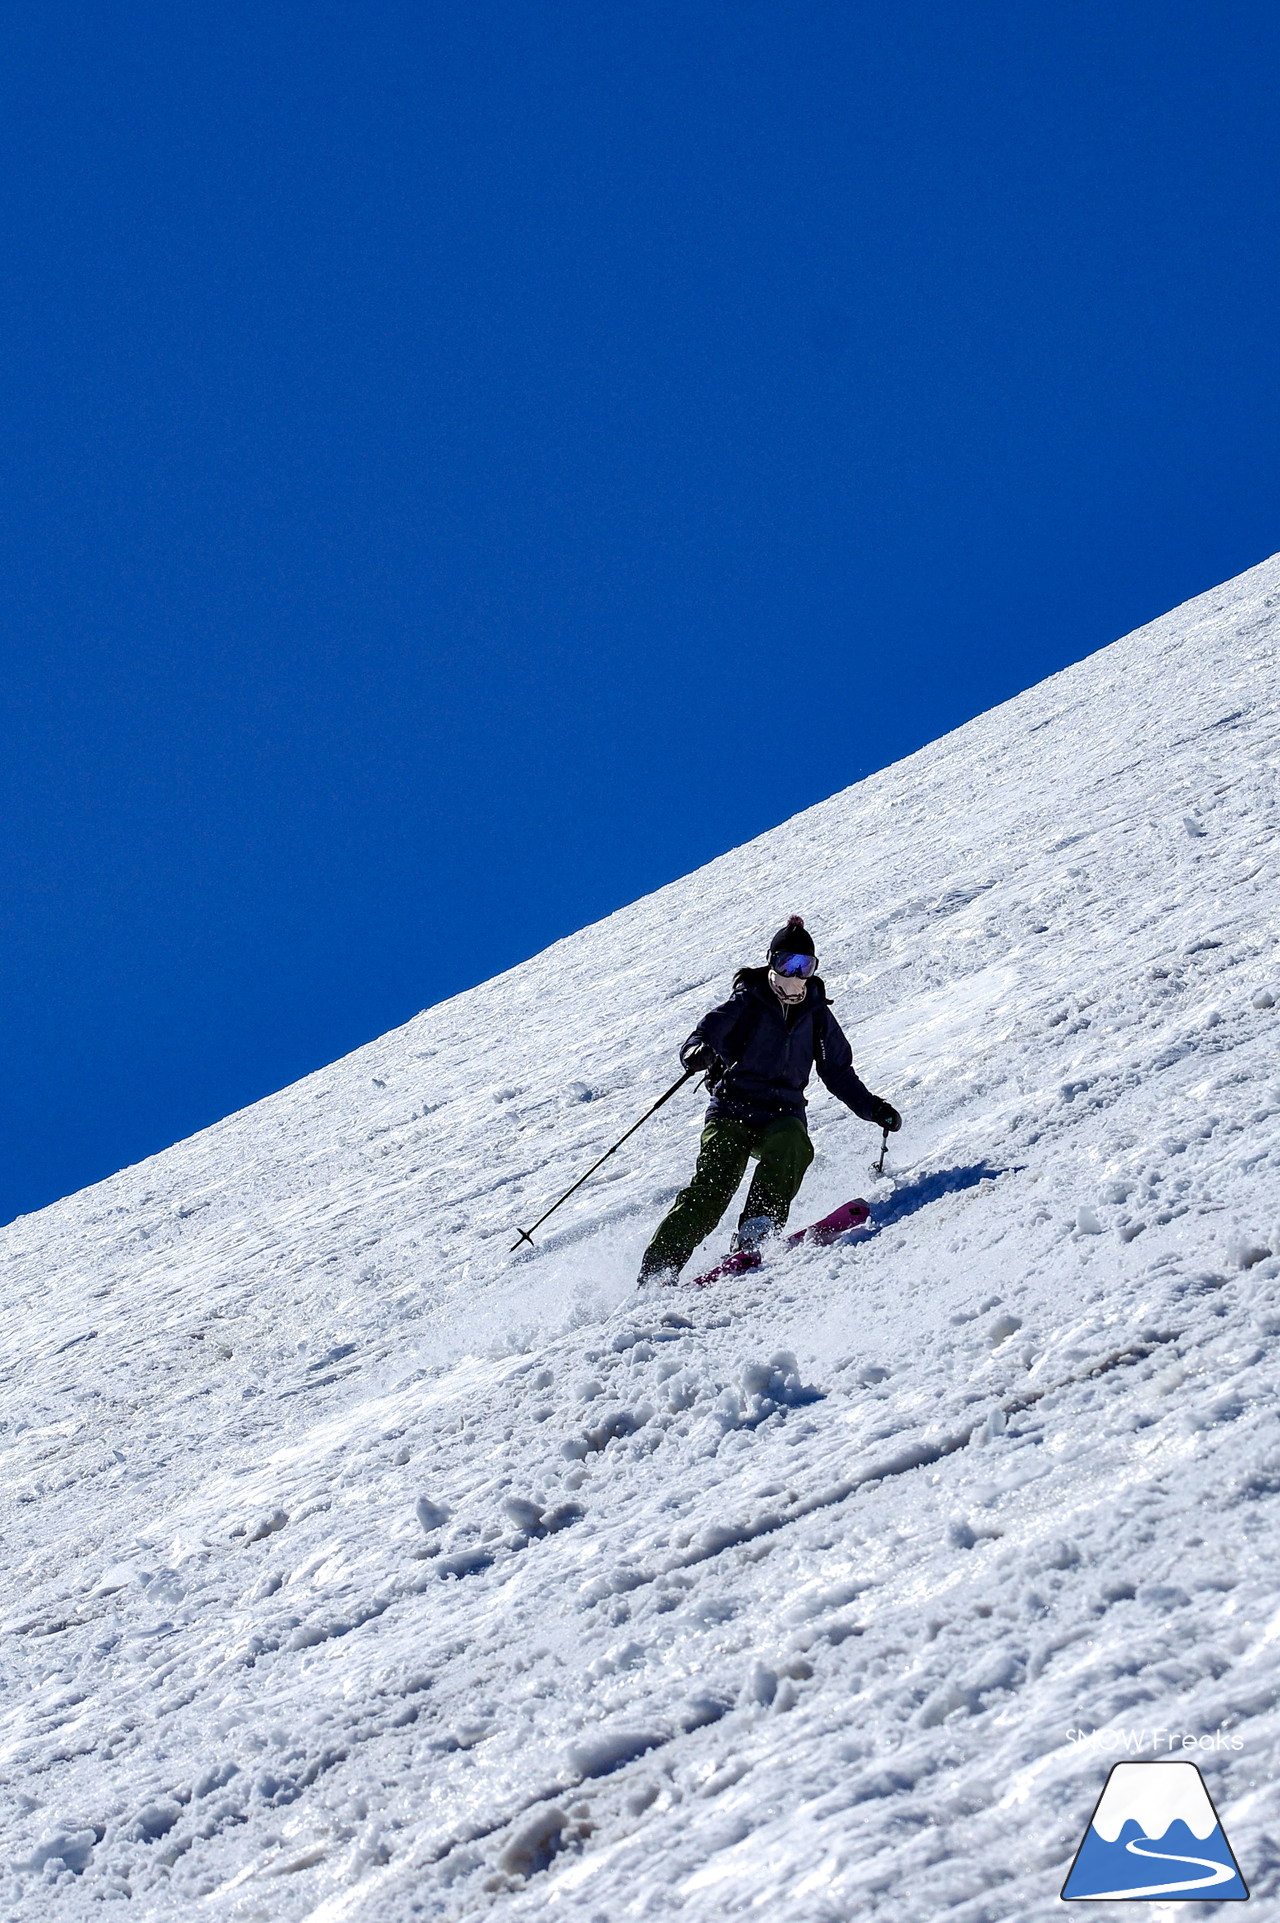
(794, 939)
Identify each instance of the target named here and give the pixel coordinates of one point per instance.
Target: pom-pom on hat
(794, 939)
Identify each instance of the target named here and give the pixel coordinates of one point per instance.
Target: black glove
(699, 1058)
(886, 1115)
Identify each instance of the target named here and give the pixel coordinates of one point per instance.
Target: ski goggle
(802, 965)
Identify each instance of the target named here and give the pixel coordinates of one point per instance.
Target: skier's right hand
(886, 1116)
(698, 1057)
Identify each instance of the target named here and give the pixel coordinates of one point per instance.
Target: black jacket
(768, 1053)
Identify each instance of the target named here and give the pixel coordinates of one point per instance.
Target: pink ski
(849, 1215)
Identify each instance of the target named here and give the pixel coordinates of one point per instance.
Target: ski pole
(526, 1235)
(884, 1150)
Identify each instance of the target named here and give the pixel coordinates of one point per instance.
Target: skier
(758, 1050)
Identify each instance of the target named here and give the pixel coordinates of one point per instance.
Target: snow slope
(356, 1569)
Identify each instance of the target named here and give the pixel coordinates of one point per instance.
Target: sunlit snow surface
(824, 1578)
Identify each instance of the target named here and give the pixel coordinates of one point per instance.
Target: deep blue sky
(464, 466)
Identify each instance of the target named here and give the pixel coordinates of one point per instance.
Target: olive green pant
(783, 1152)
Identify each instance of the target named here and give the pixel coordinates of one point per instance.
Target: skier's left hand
(886, 1116)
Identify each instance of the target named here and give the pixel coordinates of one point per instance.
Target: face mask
(787, 988)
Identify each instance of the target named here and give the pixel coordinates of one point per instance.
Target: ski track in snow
(356, 1569)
